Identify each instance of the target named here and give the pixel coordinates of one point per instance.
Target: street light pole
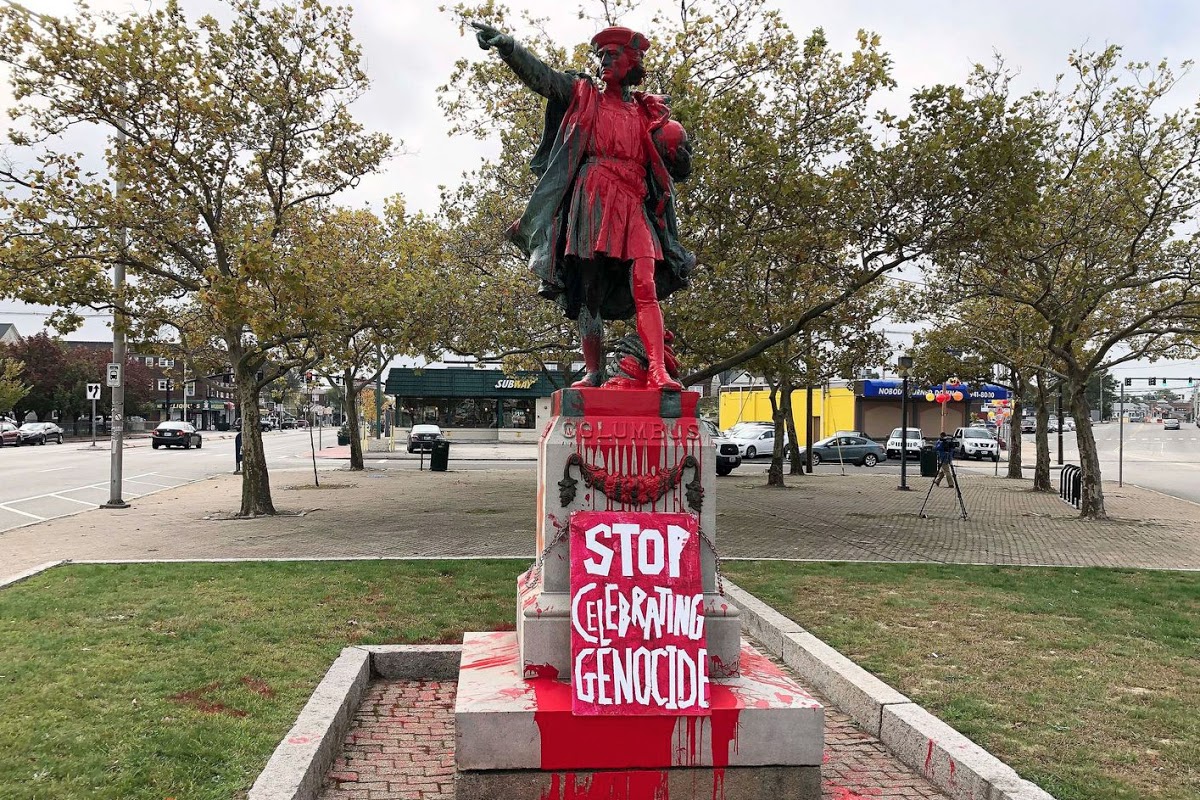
(117, 426)
(905, 365)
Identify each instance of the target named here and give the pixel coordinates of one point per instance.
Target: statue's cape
(541, 231)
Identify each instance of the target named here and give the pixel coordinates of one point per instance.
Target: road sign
(93, 391)
(114, 374)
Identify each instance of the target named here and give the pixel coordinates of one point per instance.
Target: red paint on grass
(257, 686)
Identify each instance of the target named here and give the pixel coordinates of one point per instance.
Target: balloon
(957, 396)
(929, 397)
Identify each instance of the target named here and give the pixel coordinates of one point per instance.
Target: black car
(176, 434)
(422, 437)
(728, 458)
(31, 433)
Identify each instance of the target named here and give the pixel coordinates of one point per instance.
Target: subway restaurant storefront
(473, 404)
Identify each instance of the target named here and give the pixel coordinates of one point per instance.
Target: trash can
(440, 455)
(929, 466)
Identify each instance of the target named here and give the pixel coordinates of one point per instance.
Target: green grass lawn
(178, 680)
(1085, 681)
(161, 681)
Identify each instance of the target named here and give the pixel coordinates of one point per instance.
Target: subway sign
(516, 383)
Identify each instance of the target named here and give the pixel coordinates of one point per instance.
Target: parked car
(176, 434)
(1170, 424)
(31, 433)
(264, 424)
(9, 434)
(1028, 425)
(739, 428)
(287, 423)
(728, 457)
(912, 446)
(754, 441)
(422, 437)
(976, 443)
(855, 450)
(50, 431)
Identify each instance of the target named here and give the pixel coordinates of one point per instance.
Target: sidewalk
(490, 513)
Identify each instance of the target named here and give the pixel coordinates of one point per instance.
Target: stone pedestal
(627, 434)
(762, 735)
(517, 738)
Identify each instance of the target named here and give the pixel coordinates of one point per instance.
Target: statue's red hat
(624, 37)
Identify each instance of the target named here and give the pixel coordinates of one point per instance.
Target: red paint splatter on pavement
(842, 793)
(929, 759)
(952, 779)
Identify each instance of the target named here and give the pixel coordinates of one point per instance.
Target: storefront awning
(462, 382)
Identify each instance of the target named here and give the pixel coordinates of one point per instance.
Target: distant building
(8, 333)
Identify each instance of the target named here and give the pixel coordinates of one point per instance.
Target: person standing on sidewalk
(945, 455)
(237, 452)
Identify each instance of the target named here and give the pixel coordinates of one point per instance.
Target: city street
(41, 482)
(1166, 461)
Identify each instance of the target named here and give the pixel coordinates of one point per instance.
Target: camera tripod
(957, 491)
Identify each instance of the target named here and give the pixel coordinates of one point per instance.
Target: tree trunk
(789, 419)
(1091, 500)
(1014, 428)
(775, 471)
(1041, 470)
(256, 482)
(356, 453)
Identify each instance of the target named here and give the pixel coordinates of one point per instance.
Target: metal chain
(535, 572)
(716, 562)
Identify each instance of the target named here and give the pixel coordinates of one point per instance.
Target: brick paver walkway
(401, 745)
(489, 513)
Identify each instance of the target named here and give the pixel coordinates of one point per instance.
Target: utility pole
(117, 426)
(905, 366)
(1121, 440)
(1060, 422)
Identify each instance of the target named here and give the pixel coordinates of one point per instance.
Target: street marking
(56, 469)
(72, 499)
(152, 483)
(22, 513)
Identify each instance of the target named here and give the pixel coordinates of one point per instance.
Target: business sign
(637, 615)
(516, 383)
(885, 389)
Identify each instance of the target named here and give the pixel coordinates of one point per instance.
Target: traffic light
(1152, 381)
(1129, 381)
(1189, 381)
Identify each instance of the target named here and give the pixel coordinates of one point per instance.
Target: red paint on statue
(634, 785)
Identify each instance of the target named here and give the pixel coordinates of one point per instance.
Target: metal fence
(1070, 484)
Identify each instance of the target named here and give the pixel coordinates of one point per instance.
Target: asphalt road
(54, 480)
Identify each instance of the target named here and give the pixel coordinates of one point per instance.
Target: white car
(754, 441)
(912, 446)
(976, 443)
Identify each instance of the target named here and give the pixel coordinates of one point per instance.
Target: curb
(924, 743)
(29, 573)
(297, 768)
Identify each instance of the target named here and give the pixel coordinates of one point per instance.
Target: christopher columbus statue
(600, 229)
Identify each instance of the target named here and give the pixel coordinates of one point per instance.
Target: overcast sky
(409, 49)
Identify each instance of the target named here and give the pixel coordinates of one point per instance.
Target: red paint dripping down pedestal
(517, 738)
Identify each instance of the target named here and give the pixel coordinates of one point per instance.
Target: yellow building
(833, 408)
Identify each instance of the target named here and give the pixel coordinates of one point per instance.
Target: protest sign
(637, 614)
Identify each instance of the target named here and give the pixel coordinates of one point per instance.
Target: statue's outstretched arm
(533, 72)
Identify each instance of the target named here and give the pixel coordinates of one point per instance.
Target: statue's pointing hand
(488, 37)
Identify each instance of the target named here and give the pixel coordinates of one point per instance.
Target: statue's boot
(593, 362)
(650, 328)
